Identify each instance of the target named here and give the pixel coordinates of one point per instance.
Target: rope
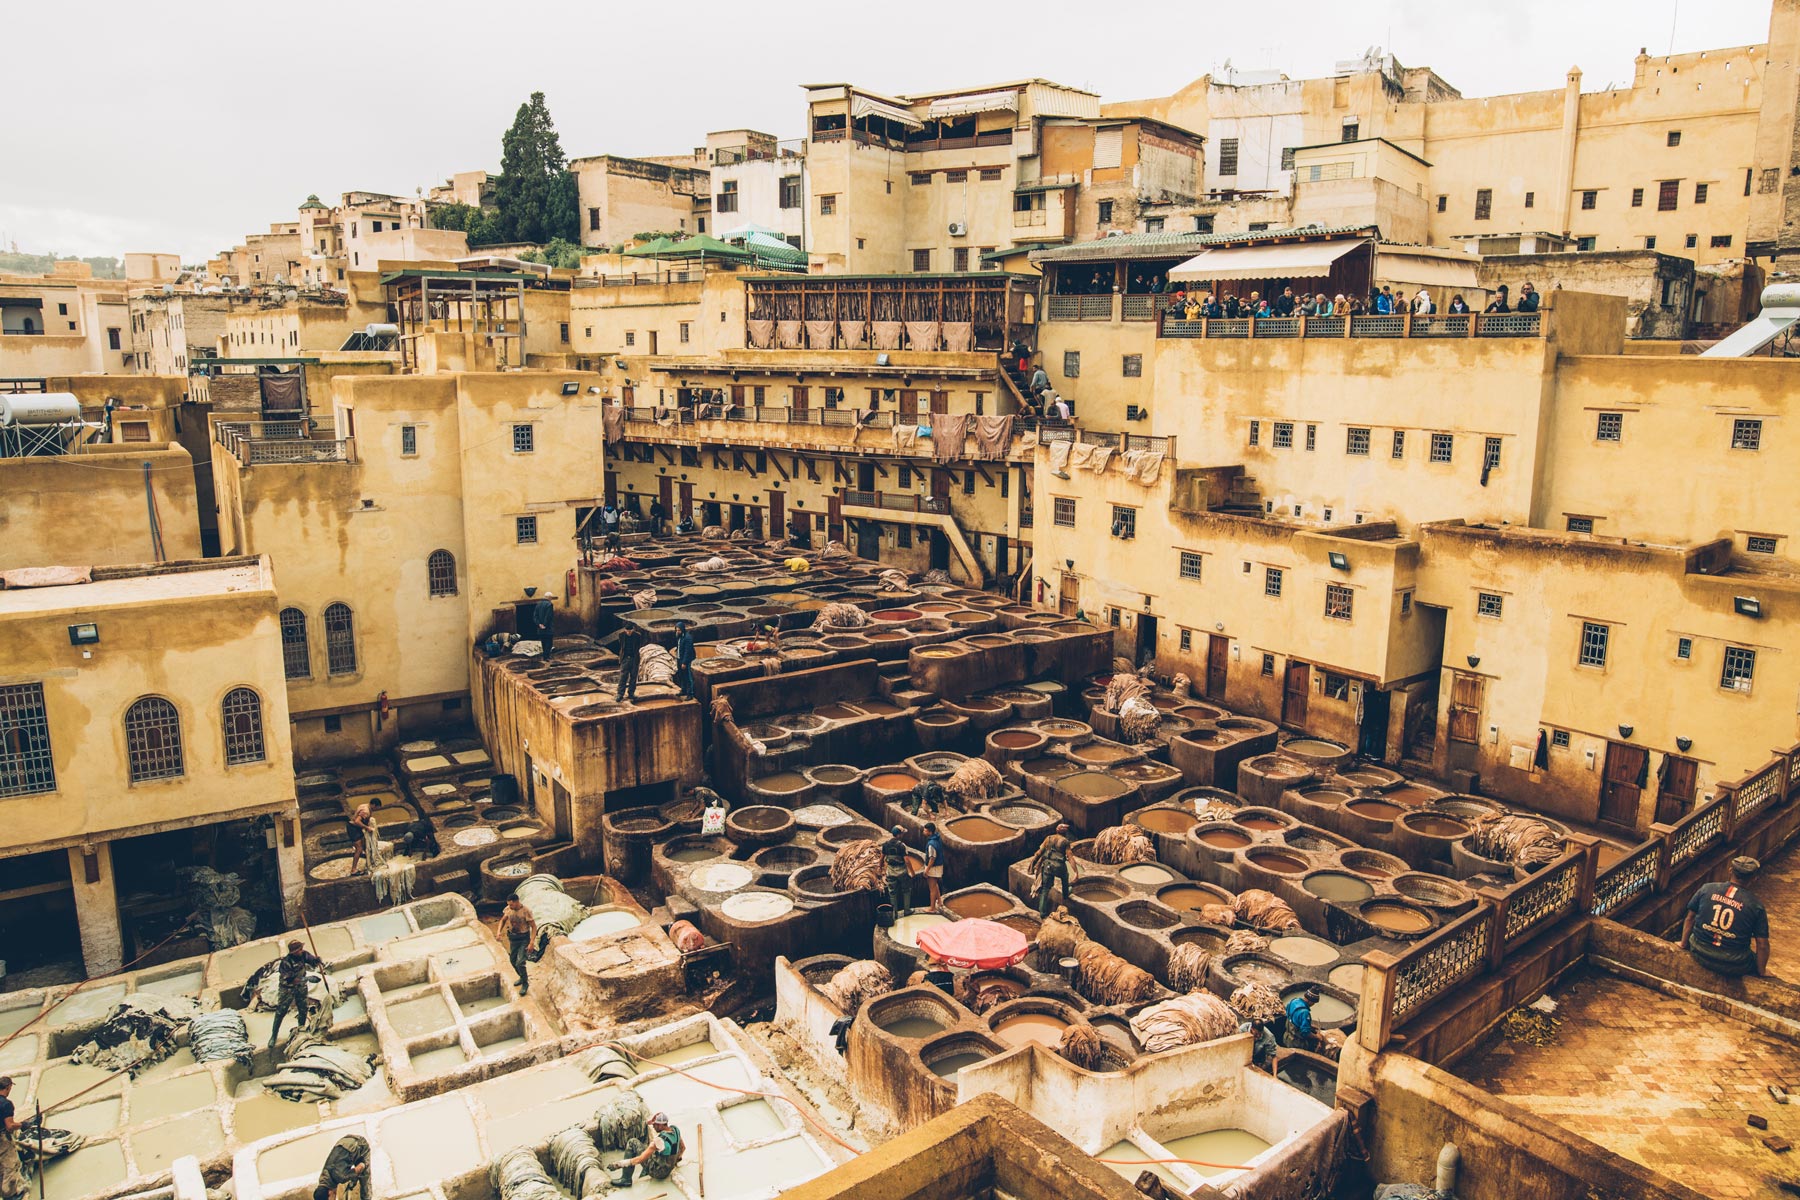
(71, 994)
(725, 1087)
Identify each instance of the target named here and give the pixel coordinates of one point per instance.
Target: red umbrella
(974, 943)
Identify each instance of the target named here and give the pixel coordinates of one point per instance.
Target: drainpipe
(1447, 1161)
(1565, 196)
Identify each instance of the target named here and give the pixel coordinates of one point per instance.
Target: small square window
(1071, 364)
(1637, 197)
(1490, 454)
(959, 259)
(1721, 241)
(990, 174)
(1284, 435)
(409, 439)
(968, 483)
(1187, 639)
(1405, 597)
(1594, 637)
(684, 333)
(1312, 437)
(1488, 604)
(1153, 224)
(1590, 200)
(1191, 564)
(525, 530)
(1581, 524)
(1530, 199)
(1115, 616)
(1650, 244)
(828, 206)
(1609, 427)
(1339, 602)
(1559, 738)
(759, 394)
(1399, 443)
(1268, 666)
(921, 178)
(1357, 442)
(1133, 367)
(1740, 668)
(1271, 581)
(1062, 512)
(1759, 545)
(956, 177)
(1692, 240)
(1443, 204)
(1484, 203)
(1443, 447)
(1674, 137)
(1124, 521)
(1335, 686)
(1256, 433)
(1105, 212)
(1746, 434)
(903, 537)
(524, 439)
(1585, 243)
(630, 337)
(1700, 190)
(334, 724)
(1684, 647)
(921, 260)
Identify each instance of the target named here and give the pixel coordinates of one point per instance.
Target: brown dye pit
(939, 719)
(835, 774)
(1026, 1028)
(1167, 820)
(980, 704)
(835, 712)
(885, 635)
(878, 708)
(896, 614)
(1279, 861)
(1225, 839)
(1399, 918)
(1375, 810)
(1325, 795)
(782, 781)
(1024, 924)
(1099, 753)
(936, 606)
(1337, 886)
(1434, 826)
(936, 652)
(1092, 784)
(978, 904)
(761, 817)
(1021, 815)
(979, 829)
(968, 617)
(1260, 824)
(1185, 897)
(1015, 739)
(894, 781)
(1409, 794)
(1099, 889)
(1052, 767)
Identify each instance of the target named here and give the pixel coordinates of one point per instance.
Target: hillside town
(1005, 643)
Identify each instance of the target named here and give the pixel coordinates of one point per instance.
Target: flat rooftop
(121, 587)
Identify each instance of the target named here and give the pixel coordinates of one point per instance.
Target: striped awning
(868, 106)
(1280, 261)
(980, 102)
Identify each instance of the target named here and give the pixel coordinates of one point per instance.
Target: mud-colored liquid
(1306, 951)
(1260, 824)
(948, 1066)
(1050, 768)
(1093, 785)
(1333, 885)
(1283, 864)
(1167, 820)
(1396, 917)
(1015, 739)
(1026, 1028)
(893, 781)
(1225, 839)
(1434, 826)
(914, 1027)
(979, 829)
(1349, 977)
(1185, 897)
(1313, 746)
(1376, 810)
(1099, 753)
(691, 854)
(1231, 1148)
(427, 1014)
(878, 708)
(1330, 1011)
(978, 904)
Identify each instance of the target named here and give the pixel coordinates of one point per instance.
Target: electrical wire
(4, 1042)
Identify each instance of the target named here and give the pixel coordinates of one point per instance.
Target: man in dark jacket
(1727, 928)
(631, 646)
(1528, 298)
(346, 1170)
(684, 657)
(291, 971)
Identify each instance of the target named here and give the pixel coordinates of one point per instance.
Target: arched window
(241, 717)
(153, 740)
(296, 653)
(340, 640)
(440, 571)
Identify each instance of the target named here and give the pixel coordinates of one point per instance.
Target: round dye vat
(885, 635)
(1376, 810)
(1021, 816)
(1100, 752)
(782, 781)
(1260, 824)
(1316, 747)
(1224, 839)
(690, 854)
(980, 704)
(834, 773)
(878, 708)
(1248, 968)
(966, 616)
(937, 652)
(1147, 874)
(1431, 890)
(978, 904)
(979, 829)
(1329, 1010)
(1435, 825)
(1051, 767)
(1396, 917)
(948, 1066)
(936, 606)
(1279, 861)
(1093, 784)
(1372, 863)
(1166, 820)
(914, 1027)
(1338, 887)
(1103, 890)
(752, 907)
(905, 930)
(600, 924)
(1321, 795)
(1349, 977)
(1015, 739)
(1186, 897)
(895, 614)
(835, 712)
(720, 877)
(1411, 794)
(821, 816)
(1304, 951)
(761, 816)
(1027, 1028)
(893, 781)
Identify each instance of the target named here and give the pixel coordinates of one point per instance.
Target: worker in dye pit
(12, 1179)
(684, 658)
(1050, 864)
(346, 1170)
(520, 929)
(658, 1158)
(368, 841)
(1727, 928)
(927, 795)
(630, 647)
(934, 862)
(1300, 1034)
(1262, 1049)
(290, 973)
(897, 873)
(420, 839)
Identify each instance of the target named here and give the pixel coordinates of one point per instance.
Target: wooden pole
(700, 1143)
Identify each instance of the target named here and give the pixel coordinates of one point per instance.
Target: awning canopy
(1292, 260)
(1430, 270)
(22, 301)
(980, 102)
(868, 106)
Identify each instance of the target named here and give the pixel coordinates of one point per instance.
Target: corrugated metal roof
(1171, 245)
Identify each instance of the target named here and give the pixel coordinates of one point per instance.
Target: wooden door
(800, 399)
(940, 402)
(777, 518)
(941, 484)
(1070, 600)
(610, 488)
(834, 517)
(738, 392)
(665, 492)
(653, 349)
(687, 501)
(909, 403)
(1675, 790)
(1146, 639)
(1218, 653)
(1465, 708)
(1296, 687)
(1620, 790)
(628, 395)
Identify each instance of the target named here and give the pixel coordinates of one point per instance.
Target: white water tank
(38, 408)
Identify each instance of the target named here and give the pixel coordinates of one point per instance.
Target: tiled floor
(1657, 1080)
(1777, 885)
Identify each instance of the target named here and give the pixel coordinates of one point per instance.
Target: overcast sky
(184, 126)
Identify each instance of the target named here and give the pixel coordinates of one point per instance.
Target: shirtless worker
(368, 840)
(520, 929)
(1727, 928)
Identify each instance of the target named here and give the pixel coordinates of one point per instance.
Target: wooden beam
(812, 469)
(985, 477)
(775, 461)
(718, 463)
(880, 470)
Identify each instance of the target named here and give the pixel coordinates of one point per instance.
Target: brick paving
(1658, 1080)
(1777, 885)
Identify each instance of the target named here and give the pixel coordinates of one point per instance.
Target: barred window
(1559, 738)
(1399, 443)
(1684, 648)
(1490, 454)
(525, 531)
(1484, 203)
(340, 640)
(1581, 524)
(1256, 433)
(1443, 447)
(1062, 512)
(1187, 639)
(1271, 581)
(1072, 364)
(440, 573)
(1488, 604)
(1268, 666)
(1740, 668)
(1191, 564)
(1134, 366)
(296, 654)
(26, 765)
(241, 718)
(409, 439)
(1357, 442)
(524, 439)
(1124, 521)
(1609, 427)
(1759, 545)
(1339, 601)
(1746, 434)
(1593, 643)
(1312, 437)
(153, 740)
(1284, 435)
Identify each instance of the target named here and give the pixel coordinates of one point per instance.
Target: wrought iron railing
(895, 501)
(1438, 963)
(1079, 308)
(1631, 877)
(1436, 325)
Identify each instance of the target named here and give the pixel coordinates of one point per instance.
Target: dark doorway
(1296, 684)
(868, 540)
(1675, 788)
(1146, 639)
(1372, 742)
(940, 551)
(687, 501)
(777, 513)
(1622, 784)
(1218, 654)
(865, 477)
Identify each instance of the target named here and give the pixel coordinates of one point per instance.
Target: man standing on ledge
(1050, 864)
(520, 929)
(291, 981)
(897, 874)
(1727, 928)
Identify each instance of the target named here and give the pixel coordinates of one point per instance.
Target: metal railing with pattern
(1635, 875)
(1434, 965)
(1759, 791)
(1691, 836)
(896, 502)
(1078, 308)
(1508, 324)
(1139, 308)
(1435, 325)
(1553, 892)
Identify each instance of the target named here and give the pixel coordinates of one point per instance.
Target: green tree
(480, 224)
(558, 252)
(535, 196)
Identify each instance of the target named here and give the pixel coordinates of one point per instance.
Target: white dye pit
(720, 877)
(906, 929)
(752, 1121)
(429, 1142)
(754, 907)
(1308, 952)
(155, 1148)
(602, 923)
(427, 1014)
